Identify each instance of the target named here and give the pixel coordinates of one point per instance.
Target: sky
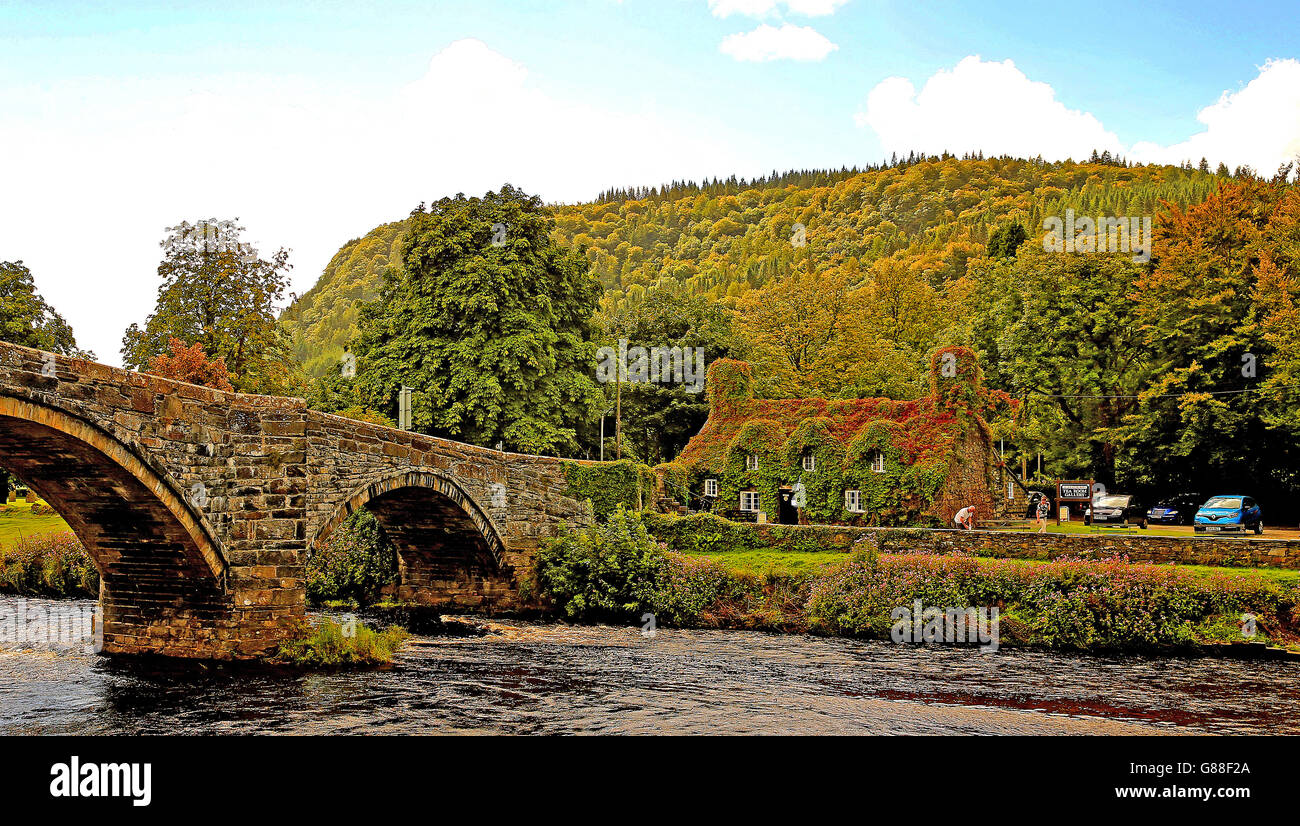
(312, 123)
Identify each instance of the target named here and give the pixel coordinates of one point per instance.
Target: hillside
(723, 238)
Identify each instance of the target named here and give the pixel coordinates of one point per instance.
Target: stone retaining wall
(1226, 551)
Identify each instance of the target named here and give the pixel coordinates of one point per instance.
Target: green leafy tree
(489, 322)
(218, 293)
(27, 319)
(658, 419)
(1069, 342)
(1214, 305)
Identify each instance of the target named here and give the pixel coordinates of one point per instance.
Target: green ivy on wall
(610, 484)
(825, 483)
(761, 437)
(904, 491)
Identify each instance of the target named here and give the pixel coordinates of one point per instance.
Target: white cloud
(981, 105)
(92, 172)
(1258, 126)
(763, 8)
(993, 107)
(766, 42)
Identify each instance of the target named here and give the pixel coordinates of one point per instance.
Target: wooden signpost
(1077, 491)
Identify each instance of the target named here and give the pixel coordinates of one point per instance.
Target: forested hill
(720, 239)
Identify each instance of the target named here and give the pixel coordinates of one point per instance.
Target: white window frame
(750, 496)
(711, 488)
(853, 501)
(751, 461)
(878, 462)
(809, 462)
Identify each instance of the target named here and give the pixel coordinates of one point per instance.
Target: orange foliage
(191, 365)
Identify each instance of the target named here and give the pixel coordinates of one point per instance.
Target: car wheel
(1143, 524)
(1259, 528)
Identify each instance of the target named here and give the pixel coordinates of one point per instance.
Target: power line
(1164, 395)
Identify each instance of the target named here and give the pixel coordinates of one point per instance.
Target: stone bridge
(199, 507)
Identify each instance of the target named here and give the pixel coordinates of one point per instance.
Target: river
(533, 678)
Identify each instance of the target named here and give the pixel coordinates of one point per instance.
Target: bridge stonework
(199, 507)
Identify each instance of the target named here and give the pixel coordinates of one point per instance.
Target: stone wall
(1225, 551)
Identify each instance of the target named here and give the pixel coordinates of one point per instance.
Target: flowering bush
(1069, 603)
(52, 564)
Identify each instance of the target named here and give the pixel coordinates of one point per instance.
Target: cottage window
(710, 487)
(853, 501)
(809, 462)
(878, 462)
(751, 461)
(749, 500)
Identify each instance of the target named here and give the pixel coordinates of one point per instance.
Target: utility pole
(618, 411)
(404, 408)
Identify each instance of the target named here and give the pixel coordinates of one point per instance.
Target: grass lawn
(17, 519)
(796, 562)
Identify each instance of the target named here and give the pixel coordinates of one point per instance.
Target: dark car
(1175, 510)
(1229, 513)
(1118, 509)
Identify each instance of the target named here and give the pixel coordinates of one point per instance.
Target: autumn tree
(218, 293)
(190, 364)
(795, 325)
(1216, 309)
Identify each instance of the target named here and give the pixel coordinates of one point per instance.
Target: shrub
(608, 571)
(1068, 604)
(354, 564)
(52, 564)
(330, 644)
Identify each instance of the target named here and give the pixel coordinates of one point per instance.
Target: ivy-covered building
(846, 461)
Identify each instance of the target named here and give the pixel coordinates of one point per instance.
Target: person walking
(1043, 509)
(965, 518)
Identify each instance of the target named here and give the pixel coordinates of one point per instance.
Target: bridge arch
(158, 560)
(447, 546)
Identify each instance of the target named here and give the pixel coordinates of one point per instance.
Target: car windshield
(1224, 502)
(1170, 503)
(1113, 501)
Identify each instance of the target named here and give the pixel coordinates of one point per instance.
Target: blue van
(1225, 514)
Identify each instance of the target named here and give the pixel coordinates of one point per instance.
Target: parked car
(1119, 509)
(1229, 513)
(1175, 510)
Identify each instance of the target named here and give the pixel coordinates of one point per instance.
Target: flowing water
(554, 679)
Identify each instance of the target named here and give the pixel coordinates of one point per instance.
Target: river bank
(619, 571)
(552, 678)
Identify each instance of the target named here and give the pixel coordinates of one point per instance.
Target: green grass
(778, 562)
(17, 520)
(798, 562)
